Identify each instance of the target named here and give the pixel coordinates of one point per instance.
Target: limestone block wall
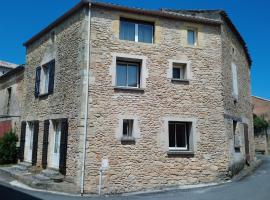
(146, 164)
(67, 49)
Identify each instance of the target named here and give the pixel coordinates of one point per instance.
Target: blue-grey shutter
(51, 76)
(37, 82)
(35, 143)
(22, 141)
(45, 143)
(63, 146)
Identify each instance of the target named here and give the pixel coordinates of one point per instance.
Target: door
(246, 143)
(29, 142)
(56, 145)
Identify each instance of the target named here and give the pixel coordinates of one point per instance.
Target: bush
(8, 150)
(260, 125)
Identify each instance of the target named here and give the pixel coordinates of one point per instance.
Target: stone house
(6, 66)
(150, 98)
(11, 90)
(261, 107)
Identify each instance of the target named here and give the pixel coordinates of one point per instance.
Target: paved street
(254, 187)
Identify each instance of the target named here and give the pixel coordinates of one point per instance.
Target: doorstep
(49, 180)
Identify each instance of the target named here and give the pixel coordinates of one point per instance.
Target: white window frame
(195, 30)
(137, 32)
(188, 71)
(44, 80)
(138, 73)
(186, 136)
(235, 91)
(133, 58)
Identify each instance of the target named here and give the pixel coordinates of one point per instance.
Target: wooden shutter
(45, 143)
(37, 83)
(51, 76)
(22, 141)
(35, 142)
(63, 146)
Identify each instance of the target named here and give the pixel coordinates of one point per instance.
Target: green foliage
(260, 125)
(8, 150)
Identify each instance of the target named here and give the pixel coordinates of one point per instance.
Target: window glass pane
(127, 127)
(121, 75)
(127, 30)
(145, 32)
(176, 72)
(181, 135)
(132, 75)
(57, 137)
(191, 37)
(171, 135)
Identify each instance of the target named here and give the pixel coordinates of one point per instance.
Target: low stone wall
(261, 143)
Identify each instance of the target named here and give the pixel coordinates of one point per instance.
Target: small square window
(127, 127)
(179, 133)
(179, 71)
(128, 74)
(192, 37)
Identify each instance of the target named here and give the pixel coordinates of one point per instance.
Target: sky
(21, 19)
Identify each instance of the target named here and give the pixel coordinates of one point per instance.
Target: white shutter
(234, 80)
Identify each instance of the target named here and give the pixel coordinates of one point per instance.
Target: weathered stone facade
(205, 100)
(11, 95)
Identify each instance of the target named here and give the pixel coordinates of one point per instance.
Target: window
(128, 127)
(57, 129)
(234, 81)
(179, 71)
(137, 31)
(235, 138)
(179, 135)
(45, 79)
(8, 99)
(192, 37)
(127, 74)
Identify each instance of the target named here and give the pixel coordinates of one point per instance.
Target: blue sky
(21, 19)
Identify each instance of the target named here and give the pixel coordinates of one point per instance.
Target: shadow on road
(7, 193)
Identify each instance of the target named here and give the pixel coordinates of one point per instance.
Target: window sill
(43, 95)
(128, 89)
(193, 46)
(180, 80)
(125, 140)
(179, 152)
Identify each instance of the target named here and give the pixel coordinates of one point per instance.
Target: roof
(12, 72)
(260, 98)
(7, 64)
(166, 13)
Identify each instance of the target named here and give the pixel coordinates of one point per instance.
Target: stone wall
(239, 109)
(261, 143)
(146, 164)
(68, 50)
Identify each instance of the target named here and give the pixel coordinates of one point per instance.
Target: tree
(8, 150)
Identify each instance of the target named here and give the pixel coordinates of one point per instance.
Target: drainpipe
(86, 99)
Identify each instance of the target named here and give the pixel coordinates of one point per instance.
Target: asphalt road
(254, 187)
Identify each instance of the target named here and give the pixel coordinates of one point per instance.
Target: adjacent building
(6, 66)
(261, 107)
(153, 98)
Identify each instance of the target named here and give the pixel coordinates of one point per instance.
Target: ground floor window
(179, 133)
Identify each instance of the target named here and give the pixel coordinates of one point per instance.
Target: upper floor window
(128, 127)
(234, 81)
(45, 79)
(127, 74)
(179, 71)
(137, 31)
(192, 37)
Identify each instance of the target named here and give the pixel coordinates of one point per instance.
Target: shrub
(260, 125)
(8, 150)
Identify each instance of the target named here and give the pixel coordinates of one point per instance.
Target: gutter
(86, 100)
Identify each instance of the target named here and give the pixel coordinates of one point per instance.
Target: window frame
(127, 63)
(188, 70)
(130, 131)
(136, 24)
(187, 134)
(195, 30)
(235, 86)
(183, 70)
(44, 80)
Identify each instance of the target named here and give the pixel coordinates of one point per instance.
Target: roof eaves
(12, 72)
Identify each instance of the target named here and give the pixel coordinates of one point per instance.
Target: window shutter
(22, 141)
(45, 143)
(51, 76)
(35, 143)
(63, 146)
(37, 83)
